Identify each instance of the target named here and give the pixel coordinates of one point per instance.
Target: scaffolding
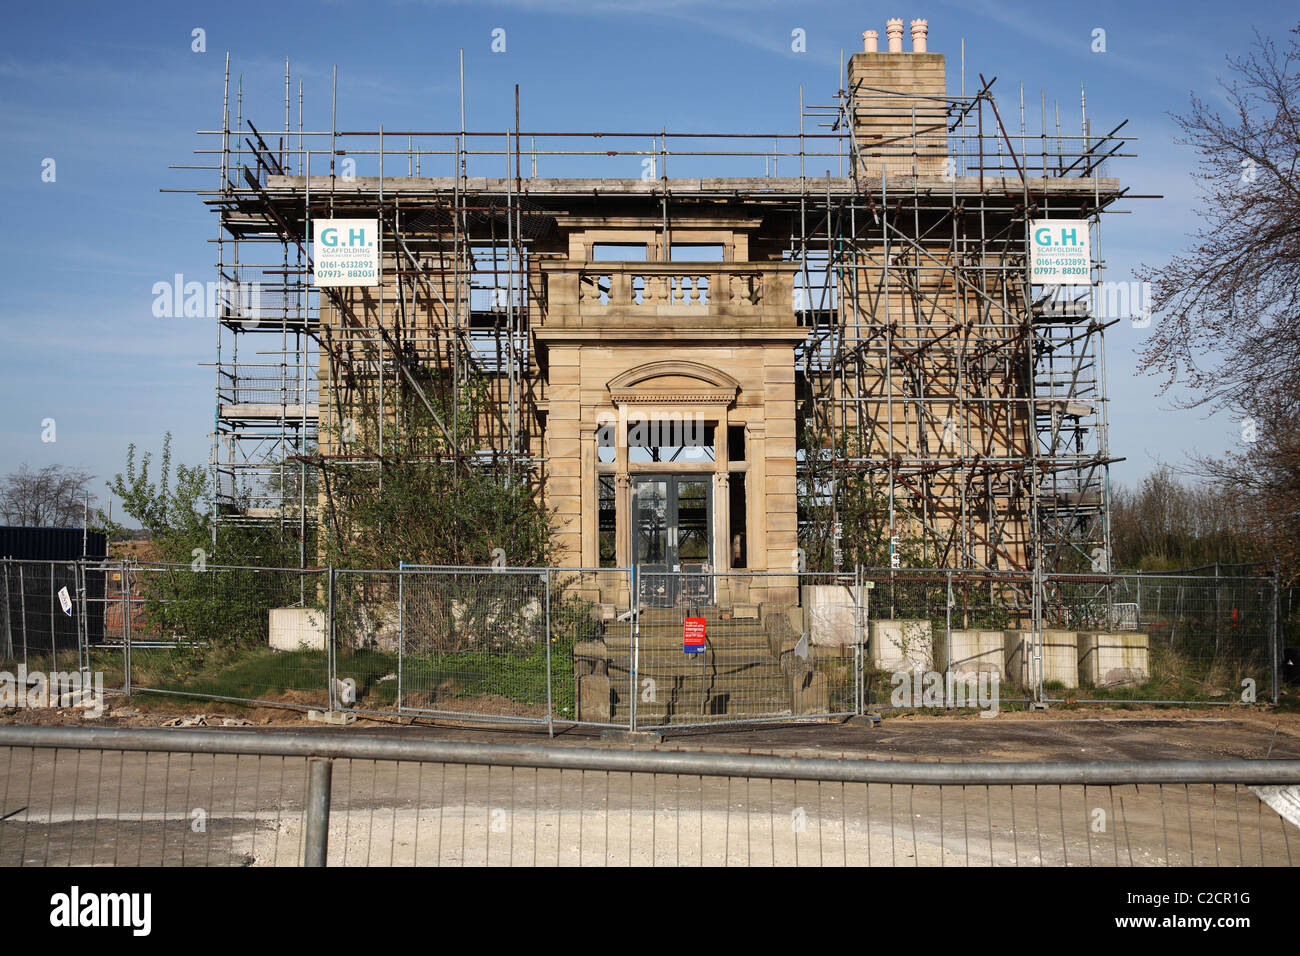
(976, 398)
(932, 367)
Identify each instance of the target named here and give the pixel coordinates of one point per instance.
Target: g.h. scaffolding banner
(1059, 252)
(345, 252)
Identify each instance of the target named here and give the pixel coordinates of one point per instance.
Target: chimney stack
(919, 30)
(894, 30)
(899, 112)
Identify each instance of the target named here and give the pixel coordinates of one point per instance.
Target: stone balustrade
(754, 293)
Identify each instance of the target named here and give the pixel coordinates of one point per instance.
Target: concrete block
(338, 717)
(970, 652)
(1112, 659)
(829, 614)
(1060, 657)
(745, 612)
(633, 736)
(590, 657)
(809, 693)
(295, 628)
(901, 645)
(592, 698)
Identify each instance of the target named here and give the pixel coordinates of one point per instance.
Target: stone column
(590, 496)
(565, 467)
(623, 516)
(721, 498)
(755, 492)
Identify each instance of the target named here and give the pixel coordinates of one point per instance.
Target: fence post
(22, 607)
(320, 772)
(329, 636)
(54, 647)
(83, 623)
(1110, 597)
(9, 634)
(1278, 637)
(546, 639)
(1218, 612)
(126, 628)
(858, 704)
(947, 638)
(401, 629)
(1036, 642)
(634, 647)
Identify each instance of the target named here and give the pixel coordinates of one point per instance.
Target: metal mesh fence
(462, 642)
(364, 640)
(1167, 637)
(1098, 637)
(766, 646)
(591, 626)
(140, 808)
(125, 798)
(35, 629)
(253, 634)
(962, 626)
(617, 648)
(108, 609)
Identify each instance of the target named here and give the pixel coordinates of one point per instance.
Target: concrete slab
(1114, 659)
(901, 645)
(296, 628)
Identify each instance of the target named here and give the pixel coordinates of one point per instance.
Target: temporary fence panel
(943, 638)
(632, 649)
(1084, 637)
(591, 623)
(1193, 638)
(716, 648)
(77, 796)
(229, 633)
(43, 618)
(460, 643)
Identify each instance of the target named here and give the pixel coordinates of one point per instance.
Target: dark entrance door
(672, 537)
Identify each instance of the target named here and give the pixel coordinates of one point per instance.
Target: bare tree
(53, 497)
(1230, 308)
(1165, 523)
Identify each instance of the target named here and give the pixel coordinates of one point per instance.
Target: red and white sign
(693, 635)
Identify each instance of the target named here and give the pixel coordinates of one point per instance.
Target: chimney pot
(870, 41)
(894, 30)
(920, 28)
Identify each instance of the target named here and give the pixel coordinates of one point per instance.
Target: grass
(1176, 676)
(302, 676)
(521, 679)
(253, 673)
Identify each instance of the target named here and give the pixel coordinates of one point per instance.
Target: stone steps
(738, 673)
(690, 702)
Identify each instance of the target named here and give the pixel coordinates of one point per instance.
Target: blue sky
(113, 94)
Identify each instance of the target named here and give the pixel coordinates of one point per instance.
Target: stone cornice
(637, 386)
(640, 396)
